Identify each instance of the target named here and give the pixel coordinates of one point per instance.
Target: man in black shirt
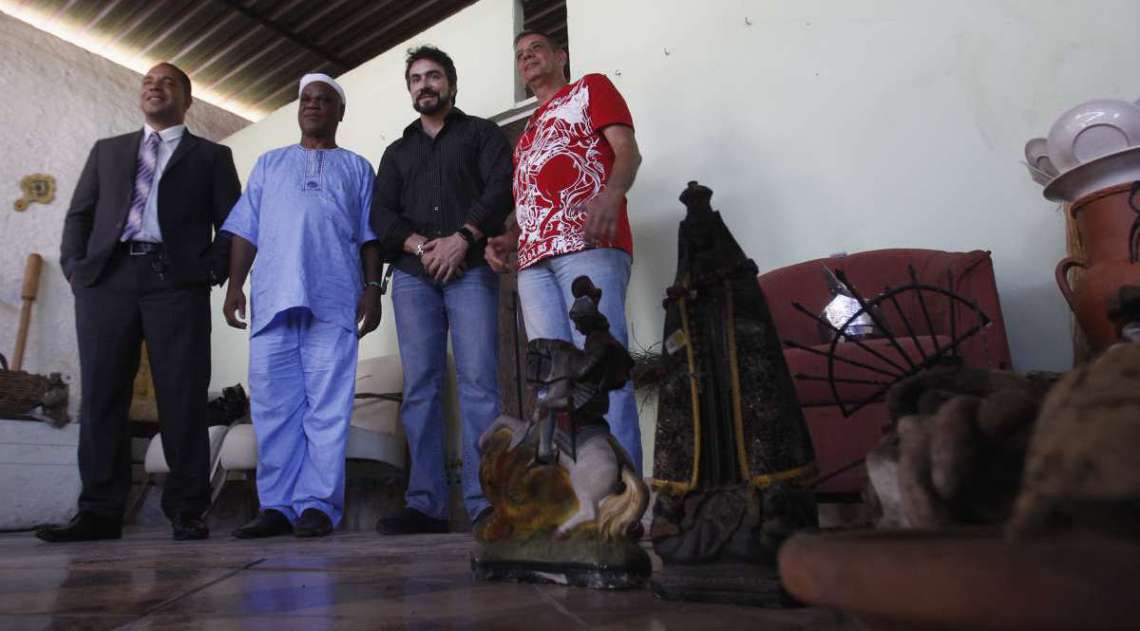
(442, 189)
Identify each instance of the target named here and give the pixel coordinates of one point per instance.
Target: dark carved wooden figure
(733, 454)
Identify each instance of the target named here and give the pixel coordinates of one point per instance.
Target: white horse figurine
(602, 476)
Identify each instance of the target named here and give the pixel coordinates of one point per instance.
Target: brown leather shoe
(85, 526)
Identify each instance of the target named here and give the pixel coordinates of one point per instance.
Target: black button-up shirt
(432, 186)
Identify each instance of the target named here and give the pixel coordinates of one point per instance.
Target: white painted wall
(379, 108)
(827, 126)
(822, 126)
(59, 100)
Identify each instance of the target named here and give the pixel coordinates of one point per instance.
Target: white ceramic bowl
(1095, 175)
(1041, 169)
(1093, 129)
(1035, 150)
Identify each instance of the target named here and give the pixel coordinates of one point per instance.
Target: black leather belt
(140, 248)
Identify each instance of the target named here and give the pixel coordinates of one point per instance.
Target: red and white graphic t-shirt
(562, 160)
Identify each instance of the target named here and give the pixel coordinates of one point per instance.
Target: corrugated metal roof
(244, 54)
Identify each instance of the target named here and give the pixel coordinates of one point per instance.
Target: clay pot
(1089, 299)
(966, 579)
(1104, 221)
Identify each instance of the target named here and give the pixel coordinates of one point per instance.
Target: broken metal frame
(872, 309)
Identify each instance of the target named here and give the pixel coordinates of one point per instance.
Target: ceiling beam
(289, 89)
(140, 18)
(107, 8)
(404, 17)
(205, 34)
(324, 53)
(356, 21)
(218, 84)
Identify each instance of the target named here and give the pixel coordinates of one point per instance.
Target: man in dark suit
(140, 253)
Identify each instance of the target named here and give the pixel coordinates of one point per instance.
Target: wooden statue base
(581, 563)
(733, 583)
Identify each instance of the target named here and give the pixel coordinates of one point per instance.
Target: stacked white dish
(1089, 148)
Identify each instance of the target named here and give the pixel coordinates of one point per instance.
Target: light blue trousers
(544, 290)
(302, 378)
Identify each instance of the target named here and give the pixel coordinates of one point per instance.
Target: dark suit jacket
(195, 193)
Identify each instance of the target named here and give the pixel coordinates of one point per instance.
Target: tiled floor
(348, 581)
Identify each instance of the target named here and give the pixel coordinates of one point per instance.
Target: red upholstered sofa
(840, 441)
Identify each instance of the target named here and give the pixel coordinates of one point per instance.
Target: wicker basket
(21, 393)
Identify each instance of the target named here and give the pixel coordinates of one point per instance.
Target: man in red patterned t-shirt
(574, 163)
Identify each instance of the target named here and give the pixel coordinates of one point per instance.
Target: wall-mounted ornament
(37, 187)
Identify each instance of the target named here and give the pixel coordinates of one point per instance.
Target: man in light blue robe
(305, 217)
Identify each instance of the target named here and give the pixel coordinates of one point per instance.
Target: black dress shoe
(313, 523)
(411, 522)
(190, 528)
(268, 523)
(86, 526)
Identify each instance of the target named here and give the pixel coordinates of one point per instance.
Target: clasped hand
(444, 259)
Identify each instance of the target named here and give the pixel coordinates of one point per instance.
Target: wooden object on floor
(966, 579)
(732, 454)
(27, 296)
(144, 404)
(567, 499)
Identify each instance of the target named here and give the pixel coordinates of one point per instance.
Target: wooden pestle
(27, 296)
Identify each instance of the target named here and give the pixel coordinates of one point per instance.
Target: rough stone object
(1083, 467)
(957, 449)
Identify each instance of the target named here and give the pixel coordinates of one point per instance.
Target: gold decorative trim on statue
(37, 188)
(695, 393)
(807, 471)
(734, 383)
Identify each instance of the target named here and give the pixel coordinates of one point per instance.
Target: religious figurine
(733, 456)
(567, 499)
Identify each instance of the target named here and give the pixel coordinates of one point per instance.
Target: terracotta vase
(1089, 299)
(1104, 221)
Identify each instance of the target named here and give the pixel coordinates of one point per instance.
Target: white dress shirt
(170, 136)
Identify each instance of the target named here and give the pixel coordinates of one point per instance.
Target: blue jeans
(469, 307)
(544, 290)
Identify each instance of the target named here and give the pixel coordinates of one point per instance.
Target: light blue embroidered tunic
(306, 211)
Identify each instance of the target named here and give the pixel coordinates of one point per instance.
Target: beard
(441, 101)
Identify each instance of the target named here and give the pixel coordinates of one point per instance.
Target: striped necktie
(144, 180)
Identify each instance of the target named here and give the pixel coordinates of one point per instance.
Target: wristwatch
(468, 236)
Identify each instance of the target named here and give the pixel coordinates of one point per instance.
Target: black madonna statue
(567, 500)
(733, 455)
